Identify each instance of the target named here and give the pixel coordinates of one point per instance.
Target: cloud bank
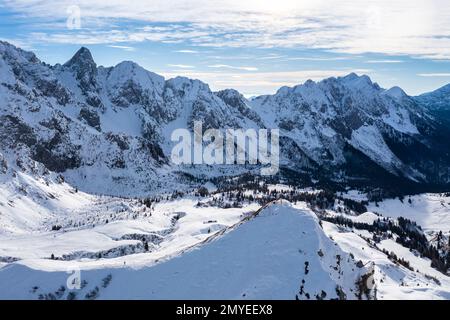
(403, 27)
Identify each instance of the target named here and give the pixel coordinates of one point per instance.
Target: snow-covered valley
(215, 246)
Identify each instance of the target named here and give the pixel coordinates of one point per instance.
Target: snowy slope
(169, 228)
(431, 211)
(282, 253)
(392, 281)
(41, 215)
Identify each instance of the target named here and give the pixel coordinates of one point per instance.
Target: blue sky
(253, 46)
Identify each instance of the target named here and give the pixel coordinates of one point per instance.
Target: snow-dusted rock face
(438, 104)
(438, 99)
(107, 130)
(349, 123)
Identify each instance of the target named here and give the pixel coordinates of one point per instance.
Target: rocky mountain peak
(396, 93)
(356, 81)
(85, 70)
(82, 57)
(14, 54)
(128, 70)
(231, 97)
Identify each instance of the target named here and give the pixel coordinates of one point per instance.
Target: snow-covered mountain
(436, 100)
(86, 181)
(107, 130)
(350, 125)
(437, 103)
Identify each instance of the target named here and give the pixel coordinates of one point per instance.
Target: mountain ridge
(113, 124)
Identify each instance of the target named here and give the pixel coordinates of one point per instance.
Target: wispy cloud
(403, 27)
(231, 57)
(186, 51)
(226, 66)
(181, 66)
(272, 57)
(434, 74)
(385, 61)
(317, 58)
(126, 48)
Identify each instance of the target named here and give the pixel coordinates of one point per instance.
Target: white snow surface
(431, 210)
(392, 281)
(264, 258)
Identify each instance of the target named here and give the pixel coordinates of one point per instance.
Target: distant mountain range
(107, 129)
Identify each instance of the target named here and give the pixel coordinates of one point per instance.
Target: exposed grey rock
(91, 118)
